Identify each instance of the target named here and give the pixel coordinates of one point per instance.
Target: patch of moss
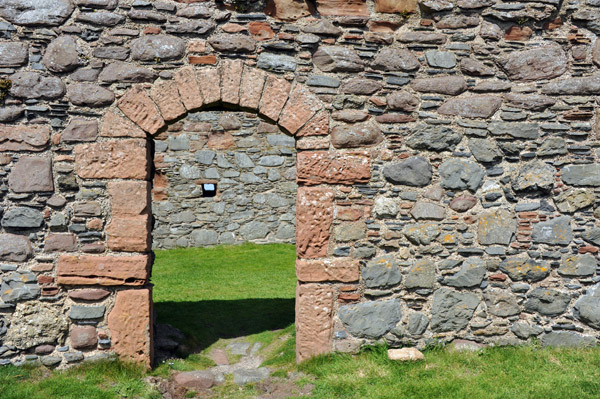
(5, 86)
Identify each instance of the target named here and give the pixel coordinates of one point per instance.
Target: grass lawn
(220, 294)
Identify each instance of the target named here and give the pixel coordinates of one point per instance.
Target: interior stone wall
(251, 162)
(446, 164)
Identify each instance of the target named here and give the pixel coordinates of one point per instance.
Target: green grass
(225, 291)
(495, 373)
(217, 295)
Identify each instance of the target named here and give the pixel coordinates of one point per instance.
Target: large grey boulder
(381, 272)
(461, 174)
(554, 231)
(452, 310)
(547, 301)
(471, 274)
(36, 12)
(371, 319)
(414, 171)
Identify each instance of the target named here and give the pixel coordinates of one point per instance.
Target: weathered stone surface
(22, 217)
(235, 43)
(13, 54)
(524, 330)
(414, 171)
(546, 301)
(112, 53)
(337, 59)
(314, 325)
(485, 150)
(577, 265)
(417, 323)
(544, 62)
(402, 101)
(102, 18)
(80, 129)
(33, 85)
(36, 324)
(405, 354)
(15, 248)
(124, 159)
(381, 272)
(347, 232)
(90, 95)
(580, 86)
(454, 21)
(534, 176)
(567, 339)
(89, 294)
(581, 175)
(197, 379)
(356, 135)
(592, 235)
(395, 6)
(384, 208)
(251, 88)
(36, 12)
(24, 137)
(552, 146)
(554, 232)
(371, 319)
(471, 106)
(83, 337)
(17, 286)
(433, 138)
(62, 55)
(114, 125)
(530, 101)
(524, 269)
(11, 113)
(460, 174)
(421, 274)
(422, 37)
(166, 97)
(103, 270)
(517, 130)
(301, 106)
(428, 211)
(129, 198)
(125, 72)
(471, 274)
(60, 242)
(31, 174)
(322, 27)
(361, 86)
(274, 97)
(496, 227)
(452, 310)
(129, 234)
(394, 59)
(422, 233)
(314, 271)
(332, 168)
(350, 116)
(314, 217)
(450, 85)
(489, 30)
(140, 108)
(501, 302)
(474, 67)
(463, 203)
(573, 200)
(287, 10)
(440, 59)
(130, 325)
(157, 47)
(342, 7)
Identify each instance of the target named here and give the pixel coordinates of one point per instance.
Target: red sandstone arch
(122, 157)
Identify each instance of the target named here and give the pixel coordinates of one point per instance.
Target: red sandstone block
(209, 82)
(130, 325)
(300, 107)
(45, 279)
(395, 6)
(343, 8)
(498, 277)
(260, 30)
(274, 97)
(314, 216)
(60, 242)
(231, 79)
(114, 125)
(588, 249)
(348, 298)
(123, 159)
(103, 270)
(129, 198)
(314, 324)
(321, 270)
(253, 82)
(189, 91)
(166, 97)
(140, 108)
(24, 137)
(129, 234)
(317, 126)
(203, 59)
(329, 167)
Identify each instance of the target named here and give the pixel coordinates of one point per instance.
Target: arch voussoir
(137, 105)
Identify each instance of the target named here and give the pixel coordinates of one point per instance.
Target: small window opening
(209, 190)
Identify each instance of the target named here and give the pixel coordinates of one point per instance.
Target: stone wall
(446, 168)
(251, 162)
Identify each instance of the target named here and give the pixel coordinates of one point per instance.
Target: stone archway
(122, 157)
